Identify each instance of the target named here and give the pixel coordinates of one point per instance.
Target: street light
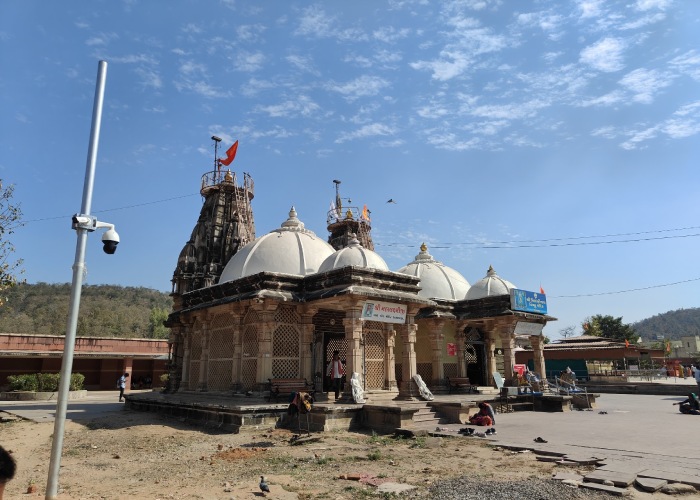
(83, 223)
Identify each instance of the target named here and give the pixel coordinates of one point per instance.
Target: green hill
(670, 325)
(105, 311)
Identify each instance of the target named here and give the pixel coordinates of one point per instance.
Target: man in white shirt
(335, 371)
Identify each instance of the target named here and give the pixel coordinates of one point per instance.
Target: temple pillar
(490, 346)
(390, 359)
(353, 362)
(267, 328)
(437, 340)
(408, 363)
(308, 345)
(537, 343)
(505, 332)
(204, 358)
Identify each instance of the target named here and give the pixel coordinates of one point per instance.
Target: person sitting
(486, 417)
(691, 406)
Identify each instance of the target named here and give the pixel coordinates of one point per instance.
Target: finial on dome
(423, 247)
(228, 177)
(490, 272)
(348, 214)
(293, 222)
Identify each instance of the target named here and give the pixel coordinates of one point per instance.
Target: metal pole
(78, 271)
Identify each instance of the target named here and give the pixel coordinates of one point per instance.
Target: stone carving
(358, 395)
(422, 388)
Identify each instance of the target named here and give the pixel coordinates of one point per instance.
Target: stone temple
(249, 309)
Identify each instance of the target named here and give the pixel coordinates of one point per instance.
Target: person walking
(121, 384)
(696, 374)
(335, 371)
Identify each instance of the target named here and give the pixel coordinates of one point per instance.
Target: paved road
(97, 404)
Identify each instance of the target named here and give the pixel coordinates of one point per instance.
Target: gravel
(466, 488)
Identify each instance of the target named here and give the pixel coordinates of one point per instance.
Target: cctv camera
(110, 240)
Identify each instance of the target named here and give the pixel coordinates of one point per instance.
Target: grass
(374, 455)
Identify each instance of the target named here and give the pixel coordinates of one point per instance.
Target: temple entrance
(475, 356)
(332, 342)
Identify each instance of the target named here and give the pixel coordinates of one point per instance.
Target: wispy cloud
(249, 62)
(303, 63)
(371, 130)
(315, 23)
(101, 39)
(300, 105)
(605, 55)
(644, 83)
(360, 87)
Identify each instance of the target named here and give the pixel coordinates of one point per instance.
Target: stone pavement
(626, 436)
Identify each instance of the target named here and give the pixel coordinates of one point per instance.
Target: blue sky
(556, 141)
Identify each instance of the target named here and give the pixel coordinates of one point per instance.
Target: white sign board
(384, 312)
(526, 328)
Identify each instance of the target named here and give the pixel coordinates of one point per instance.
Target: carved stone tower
(346, 223)
(225, 224)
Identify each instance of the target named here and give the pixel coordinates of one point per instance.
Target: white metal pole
(78, 271)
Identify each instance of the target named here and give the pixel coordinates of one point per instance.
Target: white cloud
(360, 87)
(300, 105)
(101, 39)
(202, 88)
(645, 5)
(190, 68)
(255, 86)
(179, 52)
(643, 21)
(390, 34)
(450, 142)
(640, 136)
(149, 78)
(608, 99)
(605, 55)
(316, 24)
(513, 111)
(249, 62)
(371, 130)
(250, 32)
(687, 63)
(590, 8)
(303, 63)
(134, 59)
(644, 83)
(192, 28)
(607, 132)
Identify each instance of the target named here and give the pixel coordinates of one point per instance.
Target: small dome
(291, 249)
(353, 255)
(489, 286)
(437, 281)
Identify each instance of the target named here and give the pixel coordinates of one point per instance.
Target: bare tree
(567, 331)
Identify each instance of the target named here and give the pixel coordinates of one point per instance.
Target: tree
(608, 327)
(10, 219)
(567, 331)
(156, 328)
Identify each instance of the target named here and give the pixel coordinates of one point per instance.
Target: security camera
(110, 240)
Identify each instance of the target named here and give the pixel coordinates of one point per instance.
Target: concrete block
(650, 484)
(672, 477)
(619, 479)
(612, 490)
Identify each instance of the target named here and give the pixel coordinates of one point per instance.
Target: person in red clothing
(485, 417)
(335, 371)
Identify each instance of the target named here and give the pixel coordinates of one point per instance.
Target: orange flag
(230, 155)
(627, 343)
(542, 290)
(365, 215)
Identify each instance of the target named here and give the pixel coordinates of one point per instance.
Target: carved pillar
(353, 334)
(505, 332)
(186, 341)
(490, 345)
(267, 328)
(537, 342)
(460, 339)
(236, 329)
(408, 363)
(390, 359)
(204, 359)
(437, 340)
(308, 345)
(175, 358)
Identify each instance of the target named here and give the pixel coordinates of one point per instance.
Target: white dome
(291, 249)
(489, 286)
(353, 255)
(437, 281)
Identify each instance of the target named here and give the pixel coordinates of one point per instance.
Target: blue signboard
(532, 302)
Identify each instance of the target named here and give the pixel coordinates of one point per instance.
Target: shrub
(43, 382)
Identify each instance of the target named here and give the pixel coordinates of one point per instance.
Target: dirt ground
(143, 455)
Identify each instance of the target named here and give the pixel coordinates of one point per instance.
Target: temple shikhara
(248, 309)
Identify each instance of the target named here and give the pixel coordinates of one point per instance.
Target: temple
(248, 310)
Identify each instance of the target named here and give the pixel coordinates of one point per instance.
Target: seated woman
(486, 417)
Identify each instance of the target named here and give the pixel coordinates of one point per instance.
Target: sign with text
(451, 349)
(525, 301)
(384, 312)
(527, 328)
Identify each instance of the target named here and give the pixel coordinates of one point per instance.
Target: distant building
(101, 360)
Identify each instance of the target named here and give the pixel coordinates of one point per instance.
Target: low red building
(100, 360)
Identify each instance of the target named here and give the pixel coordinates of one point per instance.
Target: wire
(117, 208)
(623, 291)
